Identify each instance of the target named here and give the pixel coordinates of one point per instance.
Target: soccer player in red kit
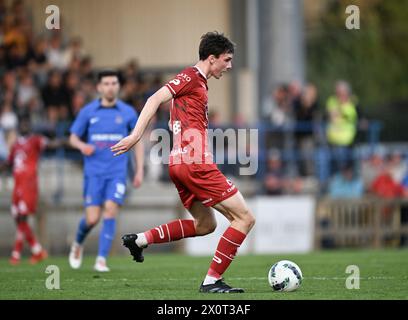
(23, 158)
(199, 182)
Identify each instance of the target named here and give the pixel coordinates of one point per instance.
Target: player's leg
(204, 218)
(86, 224)
(242, 220)
(18, 246)
(19, 238)
(26, 206)
(107, 234)
(202, 224)
(93, 203)
(113, 192)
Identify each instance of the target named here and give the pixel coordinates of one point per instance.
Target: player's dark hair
(214, 43)
(108, 73)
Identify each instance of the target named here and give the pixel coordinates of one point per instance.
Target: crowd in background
(51, 77)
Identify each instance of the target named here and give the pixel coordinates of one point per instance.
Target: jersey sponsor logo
(118, 120)
(178, 151)
(93, 120)
(106, 137)
(184, 76)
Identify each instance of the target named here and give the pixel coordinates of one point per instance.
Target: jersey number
(176, 127)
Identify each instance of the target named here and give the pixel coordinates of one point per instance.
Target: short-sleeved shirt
(103, 127)
(24, 155)
(189, 117)
(191, 166)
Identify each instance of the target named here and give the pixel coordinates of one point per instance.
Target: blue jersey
(103, 127)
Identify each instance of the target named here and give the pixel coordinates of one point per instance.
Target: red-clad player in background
(199, 182)
(23, 158)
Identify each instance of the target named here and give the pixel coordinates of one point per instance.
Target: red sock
(18, 244)
(172, 231)
(226, 250)
(29, 235)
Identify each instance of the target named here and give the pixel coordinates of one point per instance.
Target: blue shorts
(97, 190)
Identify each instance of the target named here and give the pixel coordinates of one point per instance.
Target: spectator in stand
(384, 186)
(8, 128)
(372, 167)
(274, 182)
(305, 110)
(71, 85)
(27, 94)
(55, 53)
(342, 125)
(398, 166)
(86, 69)
(38, 61)
(346, 184)
(55, 98)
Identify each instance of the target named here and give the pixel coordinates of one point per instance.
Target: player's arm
(4, 166)
(57, 143)
(152, 104)
(139, 157)
(85, 148)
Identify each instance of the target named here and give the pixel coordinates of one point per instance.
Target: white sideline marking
(229, 278)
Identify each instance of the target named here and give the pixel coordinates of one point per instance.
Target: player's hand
(138, 180)
(88, 149)
(123, 145)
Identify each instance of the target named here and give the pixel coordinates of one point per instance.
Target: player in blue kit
(98, 126)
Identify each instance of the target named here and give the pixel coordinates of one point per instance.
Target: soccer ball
(285, 275)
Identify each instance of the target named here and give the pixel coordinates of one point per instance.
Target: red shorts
(24, 200)
(201, 182)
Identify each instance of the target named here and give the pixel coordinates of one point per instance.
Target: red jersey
(24, 157)
(189, 117)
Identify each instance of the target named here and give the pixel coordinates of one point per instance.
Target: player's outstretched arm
(139, 157)
(76, 142)
(4, 166)
(152, 104)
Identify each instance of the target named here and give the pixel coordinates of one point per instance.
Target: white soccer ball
(285, 275)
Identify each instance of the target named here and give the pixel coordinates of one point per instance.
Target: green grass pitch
(383, 275)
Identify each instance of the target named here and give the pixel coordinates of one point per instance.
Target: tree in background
(373, 59)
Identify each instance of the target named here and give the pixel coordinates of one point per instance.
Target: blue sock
(106, 236)
(83, 230)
